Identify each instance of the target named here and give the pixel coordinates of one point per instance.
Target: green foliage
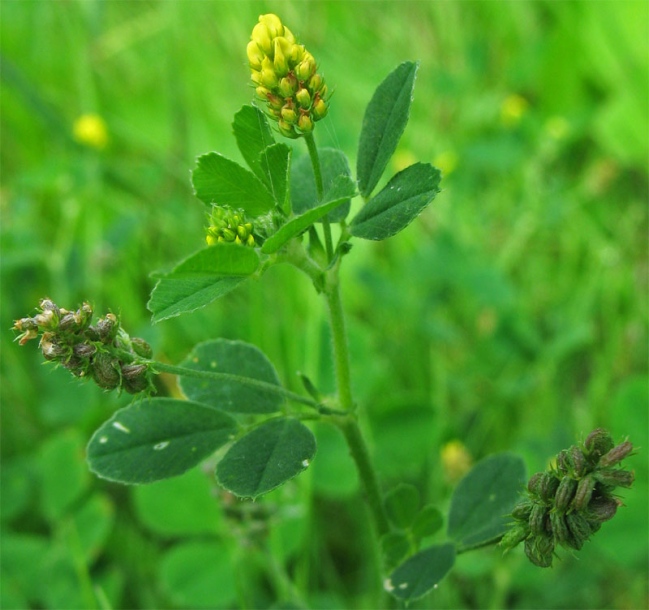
(156, 439)
(189, 570)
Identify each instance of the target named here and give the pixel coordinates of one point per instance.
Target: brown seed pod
(105, 371)
(601, 509)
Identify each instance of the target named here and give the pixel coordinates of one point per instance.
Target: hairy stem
(317, 172)
(349, 424)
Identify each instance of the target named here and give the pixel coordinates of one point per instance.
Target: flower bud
(273, 24)
(268, 78)
(287, 130)
(305, 124)
(289, 115)
(255, 55)
(288, 86)
(262, 93)
(261, 36)
(615, 455)
(275, 102)
(306, 68)
(303, 98)
(319, 110)
(280, 60)
(315, 83)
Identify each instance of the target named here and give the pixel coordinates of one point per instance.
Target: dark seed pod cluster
(102, 352)
(569, 502)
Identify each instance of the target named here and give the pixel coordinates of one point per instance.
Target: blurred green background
(511, 316)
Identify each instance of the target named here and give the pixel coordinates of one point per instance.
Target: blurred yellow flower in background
(456, 460)
(90, 130)
(512, 109)
(446, 161)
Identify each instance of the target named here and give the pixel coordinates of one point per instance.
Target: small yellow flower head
(90, 130)
(285, 77)
(229, 226)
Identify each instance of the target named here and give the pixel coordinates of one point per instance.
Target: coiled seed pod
(616, 455)
(579, 528)
(584, 492)
(540, 550)
(565, 493)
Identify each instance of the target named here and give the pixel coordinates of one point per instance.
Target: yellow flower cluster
(229, 226)
(285, 77)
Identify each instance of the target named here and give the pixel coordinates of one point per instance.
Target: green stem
(317, 172)
(161, 367)
(339, 339)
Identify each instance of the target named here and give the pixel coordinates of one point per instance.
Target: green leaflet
(201, 278)
(220, 181)
(398, 204)
(267, 457)
(421, 573)
(483, 499)
(253, 135)
(276, 162)
(385, 119)
(339, 191)
(333, 164)
(236, 358)
(156, 439)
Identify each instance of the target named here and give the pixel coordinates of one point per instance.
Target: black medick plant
(281, 211)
